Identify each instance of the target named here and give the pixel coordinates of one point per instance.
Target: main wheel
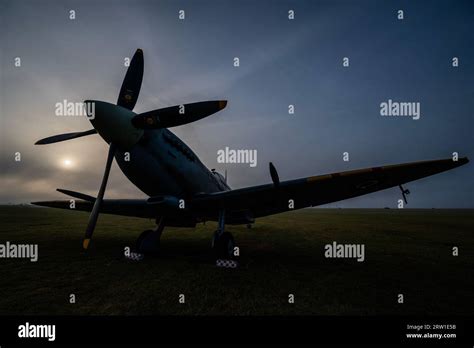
(148, 242)
(223, 245)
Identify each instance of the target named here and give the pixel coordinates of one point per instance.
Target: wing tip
(222, 104)
(40, 203)
(459, 162)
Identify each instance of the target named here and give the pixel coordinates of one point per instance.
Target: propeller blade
(132, 82)
(100, 196)
(177, 115)
(63, 137)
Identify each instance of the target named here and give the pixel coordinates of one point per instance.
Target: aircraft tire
(147, 243)
(223, 245)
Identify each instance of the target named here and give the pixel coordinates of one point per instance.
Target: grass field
(406, 251)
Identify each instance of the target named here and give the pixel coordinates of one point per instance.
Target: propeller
(119, 126)
(177, 115)
(98, 201)
(63, 137)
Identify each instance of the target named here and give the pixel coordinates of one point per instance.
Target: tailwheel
(223, 245)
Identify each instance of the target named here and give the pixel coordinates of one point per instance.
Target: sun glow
(67, 163)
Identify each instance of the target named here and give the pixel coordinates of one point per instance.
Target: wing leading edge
(317, 190)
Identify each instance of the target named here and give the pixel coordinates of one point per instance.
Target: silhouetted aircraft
(184, 192)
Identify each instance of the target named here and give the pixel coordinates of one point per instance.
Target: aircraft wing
(124, 207)
(257, 201)
(140, 208)
(316, 190)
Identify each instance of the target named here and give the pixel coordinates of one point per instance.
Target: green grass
(406, 251)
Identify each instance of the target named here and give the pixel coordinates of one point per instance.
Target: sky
(282, 62)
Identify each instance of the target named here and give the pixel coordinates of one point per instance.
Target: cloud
(282, 62)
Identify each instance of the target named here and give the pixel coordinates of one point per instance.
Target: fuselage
(154, 160)
(162, 164)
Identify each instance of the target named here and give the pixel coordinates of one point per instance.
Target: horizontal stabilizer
(77, 195)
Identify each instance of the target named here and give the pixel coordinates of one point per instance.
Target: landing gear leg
(149, 241)
(222, 242)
